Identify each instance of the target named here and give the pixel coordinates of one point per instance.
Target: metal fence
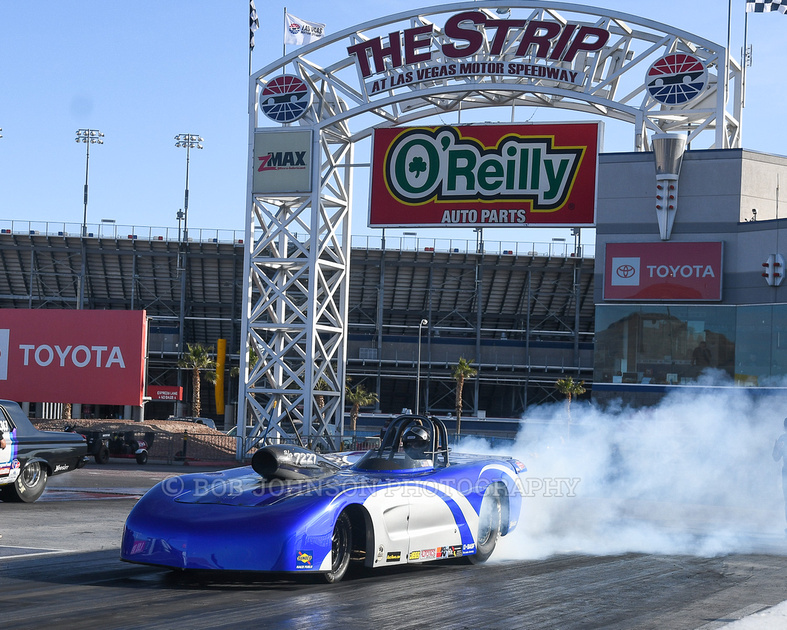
(212, 448)
(558, 247)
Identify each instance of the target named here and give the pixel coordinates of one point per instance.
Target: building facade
(708, 302)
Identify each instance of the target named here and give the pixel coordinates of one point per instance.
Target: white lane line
(34, 551)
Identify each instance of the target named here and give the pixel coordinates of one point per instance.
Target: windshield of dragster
(410, 443)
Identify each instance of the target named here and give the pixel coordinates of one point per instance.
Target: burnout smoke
(692, 475)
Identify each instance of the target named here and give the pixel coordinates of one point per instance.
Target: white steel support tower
(429, 65)
(298, 259)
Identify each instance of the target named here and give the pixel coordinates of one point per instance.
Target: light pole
(187, 141)
(421, 324)
(88, 137)
(179, 216)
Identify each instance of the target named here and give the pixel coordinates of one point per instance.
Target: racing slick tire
(29, 485)
(142, 458)
(102, 457)
(341, 549)
(489, 522)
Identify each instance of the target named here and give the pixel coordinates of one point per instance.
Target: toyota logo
(626, 271)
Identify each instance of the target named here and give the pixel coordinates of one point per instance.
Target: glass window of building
(663, 344)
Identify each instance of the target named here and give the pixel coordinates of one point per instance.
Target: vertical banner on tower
(221, 357)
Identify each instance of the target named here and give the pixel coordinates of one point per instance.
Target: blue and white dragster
(297, 511)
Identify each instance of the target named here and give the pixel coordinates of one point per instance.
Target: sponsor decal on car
(428, 554)
(454, 551)
(414, 555)
(8, 453)
(9, 472)
(61, 468)
(138, 547)
(468, 548)
(299, 459)
(303, 559)
(393, 556)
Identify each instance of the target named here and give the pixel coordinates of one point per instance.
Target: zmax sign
(282, 161)
(484, 175)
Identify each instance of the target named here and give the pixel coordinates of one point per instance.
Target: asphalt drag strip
(89, 494)
(60, 566)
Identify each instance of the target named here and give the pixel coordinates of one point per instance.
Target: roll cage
(385, 457)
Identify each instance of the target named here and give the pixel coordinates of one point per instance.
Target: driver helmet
(416, 442)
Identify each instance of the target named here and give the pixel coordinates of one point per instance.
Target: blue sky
(144, 71)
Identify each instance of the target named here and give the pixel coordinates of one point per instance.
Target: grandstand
(523, 313)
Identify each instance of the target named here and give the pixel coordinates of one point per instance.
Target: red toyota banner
(484, 175)
(663, 271)
(70, 356)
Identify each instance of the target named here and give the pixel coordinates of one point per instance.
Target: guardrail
(557, 248)
(114, 231)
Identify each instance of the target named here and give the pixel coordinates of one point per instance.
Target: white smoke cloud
(692, 475)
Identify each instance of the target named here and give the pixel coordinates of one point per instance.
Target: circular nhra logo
(676, 79)
(285, 99)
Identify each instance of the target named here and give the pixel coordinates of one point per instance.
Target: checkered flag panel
(766, 6)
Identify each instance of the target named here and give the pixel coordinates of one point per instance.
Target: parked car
(102, 445)
(31, 456)
(233, 431)
(206, 421)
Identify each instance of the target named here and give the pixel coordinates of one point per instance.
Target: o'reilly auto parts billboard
(70, 356)
(484, 175)
(663, 271)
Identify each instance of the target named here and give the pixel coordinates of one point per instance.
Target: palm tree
(358, 397)
(462, 370)
(198, 359)
(321, 386)
(569, 389)
(252, 361)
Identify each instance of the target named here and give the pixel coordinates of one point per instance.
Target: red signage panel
(484, 175)
(663, 271)
(93, 357)
(161, 392)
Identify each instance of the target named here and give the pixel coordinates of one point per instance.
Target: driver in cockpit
(417, 443)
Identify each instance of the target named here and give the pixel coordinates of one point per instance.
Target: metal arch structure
(394, 70)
